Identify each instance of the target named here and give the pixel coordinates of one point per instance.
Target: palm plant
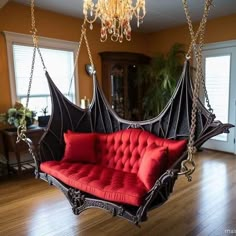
(160, 78)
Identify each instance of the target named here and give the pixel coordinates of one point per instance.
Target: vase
(43, 121)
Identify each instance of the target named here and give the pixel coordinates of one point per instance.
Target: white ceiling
(160, 13)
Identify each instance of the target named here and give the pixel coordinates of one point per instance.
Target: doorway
(219, 64)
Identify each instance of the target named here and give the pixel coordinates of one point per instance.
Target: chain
(82, 36)
(202, 77)
(22, 127)
(34, 33)
(200, 33)
(83, 30)
(88, 50)
(197, 49)
(21, 130)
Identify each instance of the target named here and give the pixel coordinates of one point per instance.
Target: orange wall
(220, 29)
(16, 18)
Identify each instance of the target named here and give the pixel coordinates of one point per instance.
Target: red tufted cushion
(128, 163)
(108, 184)
(80, 147)
(123, 150)
(153, 164)
(175, 148)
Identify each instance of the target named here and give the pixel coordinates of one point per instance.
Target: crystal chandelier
(115, 16)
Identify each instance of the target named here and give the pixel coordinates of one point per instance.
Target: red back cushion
(123, 150)
(80, 147)
(153, 164)
(175, 148)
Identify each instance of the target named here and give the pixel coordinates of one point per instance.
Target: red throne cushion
(80, 147)
(120, 167)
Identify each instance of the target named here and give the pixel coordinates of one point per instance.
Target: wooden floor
(207, 206)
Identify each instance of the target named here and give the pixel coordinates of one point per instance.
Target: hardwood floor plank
(31, 207)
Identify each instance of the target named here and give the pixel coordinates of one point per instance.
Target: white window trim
(25, 39)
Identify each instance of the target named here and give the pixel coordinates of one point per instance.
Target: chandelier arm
(135, 9)
(91, 21)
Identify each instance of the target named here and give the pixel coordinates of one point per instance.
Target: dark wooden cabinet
(120, 75)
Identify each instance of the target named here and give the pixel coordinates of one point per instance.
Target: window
(217, 73)
(58, 56)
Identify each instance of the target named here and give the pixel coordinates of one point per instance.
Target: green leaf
(160, 78)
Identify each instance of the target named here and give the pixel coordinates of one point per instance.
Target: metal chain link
(89, 51)
(200, 33)
(22, 128)
(203, 81)
(77, 56)
(197, 49)
(82, 36)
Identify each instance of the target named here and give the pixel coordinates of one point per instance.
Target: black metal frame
(172, 123)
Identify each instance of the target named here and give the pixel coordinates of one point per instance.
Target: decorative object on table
(43, 120)
(15, 114)
(84, 102)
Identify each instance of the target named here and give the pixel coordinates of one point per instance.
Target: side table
(10, 145)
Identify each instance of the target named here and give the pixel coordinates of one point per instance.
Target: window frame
(44, 42)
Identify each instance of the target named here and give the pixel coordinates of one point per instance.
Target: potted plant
(43, 120)
(160, 78)
(15, 114)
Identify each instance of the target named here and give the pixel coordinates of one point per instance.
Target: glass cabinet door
(120, 73)
(117, 89)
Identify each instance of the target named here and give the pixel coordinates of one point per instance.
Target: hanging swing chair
(115, 181)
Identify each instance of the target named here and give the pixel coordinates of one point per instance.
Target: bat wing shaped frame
(172, 123)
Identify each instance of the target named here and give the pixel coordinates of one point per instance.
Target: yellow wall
(217, 30)
(16, 18)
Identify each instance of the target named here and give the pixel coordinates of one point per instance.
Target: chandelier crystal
(115, 16)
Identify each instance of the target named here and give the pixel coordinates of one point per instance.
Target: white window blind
(60, 65)
(217, 74)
